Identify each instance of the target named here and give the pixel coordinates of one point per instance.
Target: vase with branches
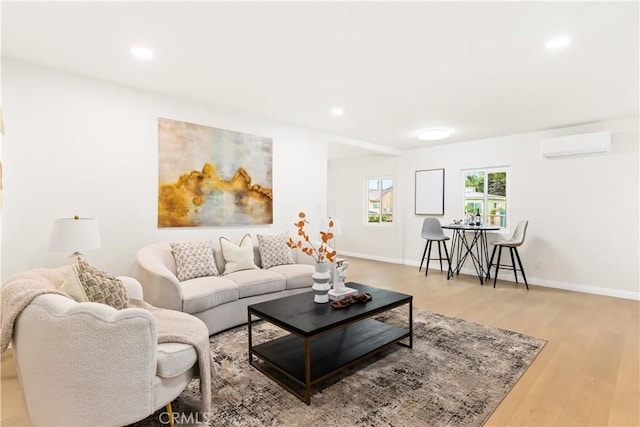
(322, 254)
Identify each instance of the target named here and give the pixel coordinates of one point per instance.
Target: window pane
(474, 192)
(373, 214)
(497, 198)
(387, 201)
(485, 192)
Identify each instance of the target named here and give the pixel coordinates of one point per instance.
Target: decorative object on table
(430, 192)
(212, 177)
(73, 235)
(336, 229)
(351, 299)
(322, 255)
(321, 285)
(339, 290)
(417, 387)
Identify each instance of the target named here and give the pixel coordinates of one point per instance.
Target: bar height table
(476, 248)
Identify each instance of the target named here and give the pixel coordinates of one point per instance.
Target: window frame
(380, 179)
(485, 201)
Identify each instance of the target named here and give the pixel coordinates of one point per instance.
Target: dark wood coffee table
(322, 340)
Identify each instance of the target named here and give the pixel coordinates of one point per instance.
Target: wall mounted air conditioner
(573, 145)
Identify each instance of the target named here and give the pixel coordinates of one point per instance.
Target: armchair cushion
(100, 286)
(175, 359)
(73, 287)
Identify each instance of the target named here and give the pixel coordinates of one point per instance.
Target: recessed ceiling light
(557, 43)
(433, 134)
(337, 111)
(142, 52)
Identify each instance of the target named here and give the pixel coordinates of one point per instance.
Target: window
(485, 192)
(379, 200)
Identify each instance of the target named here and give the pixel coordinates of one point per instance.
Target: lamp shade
(74, 234)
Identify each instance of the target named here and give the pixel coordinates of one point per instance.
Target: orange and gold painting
(212, 177)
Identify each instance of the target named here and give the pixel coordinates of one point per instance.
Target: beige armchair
(90, 364)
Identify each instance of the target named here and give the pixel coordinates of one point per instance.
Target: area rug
(457, 373)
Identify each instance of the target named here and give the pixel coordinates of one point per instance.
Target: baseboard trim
(575, 287)
(373, 257)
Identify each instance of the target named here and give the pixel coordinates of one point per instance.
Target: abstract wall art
(212, 177)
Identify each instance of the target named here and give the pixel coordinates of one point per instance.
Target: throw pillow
(274, 250)
(100, 286)
(194, 259)
(73, 287)
(237, 257)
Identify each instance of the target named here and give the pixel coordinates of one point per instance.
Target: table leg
(250, 338)
(453, 253)
(411, 323)
(307, 371)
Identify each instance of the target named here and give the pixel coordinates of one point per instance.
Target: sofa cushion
(296, 275)
(174, 359)
(202, 293)
(100, 286)
(274, 250)
(193, 259)
(237, 257)
(258, 282)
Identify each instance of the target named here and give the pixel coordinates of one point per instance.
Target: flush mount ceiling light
(557, 43)
(337, 111)
(142, 52)
(433, 134)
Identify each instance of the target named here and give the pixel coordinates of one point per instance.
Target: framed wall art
(212, 177)
(430, 192)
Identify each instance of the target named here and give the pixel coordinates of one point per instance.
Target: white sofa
(219, 301)
(90, 364)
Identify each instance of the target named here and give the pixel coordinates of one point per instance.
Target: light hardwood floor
(587, 374)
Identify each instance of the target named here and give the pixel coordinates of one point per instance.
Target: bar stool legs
(427, 252)
(499, 266)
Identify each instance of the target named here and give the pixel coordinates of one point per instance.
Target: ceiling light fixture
(142, 52)
(337, 111)
(433, 134)
(557, 43)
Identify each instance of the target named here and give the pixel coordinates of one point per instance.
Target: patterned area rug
(456, 375)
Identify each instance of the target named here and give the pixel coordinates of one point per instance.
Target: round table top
(471, 227)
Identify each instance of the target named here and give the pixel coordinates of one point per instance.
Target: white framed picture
(430, 192)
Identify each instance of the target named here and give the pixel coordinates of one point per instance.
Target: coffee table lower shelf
(307, 361)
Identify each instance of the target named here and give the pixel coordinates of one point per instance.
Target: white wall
(75, 145)
(347, 191)
(582, 211)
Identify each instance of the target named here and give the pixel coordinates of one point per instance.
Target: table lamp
(74, 234)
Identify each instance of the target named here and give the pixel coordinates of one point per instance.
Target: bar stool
(432, 231)
(516, 240)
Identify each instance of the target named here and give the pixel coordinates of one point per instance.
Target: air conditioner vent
(574, 145)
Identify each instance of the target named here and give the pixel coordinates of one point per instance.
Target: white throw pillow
(274, 250)
(73, 287)
(237, 257)
(194, 259)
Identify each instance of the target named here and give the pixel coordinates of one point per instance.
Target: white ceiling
(479, 68)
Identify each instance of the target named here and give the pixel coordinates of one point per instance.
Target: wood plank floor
(587, 374)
